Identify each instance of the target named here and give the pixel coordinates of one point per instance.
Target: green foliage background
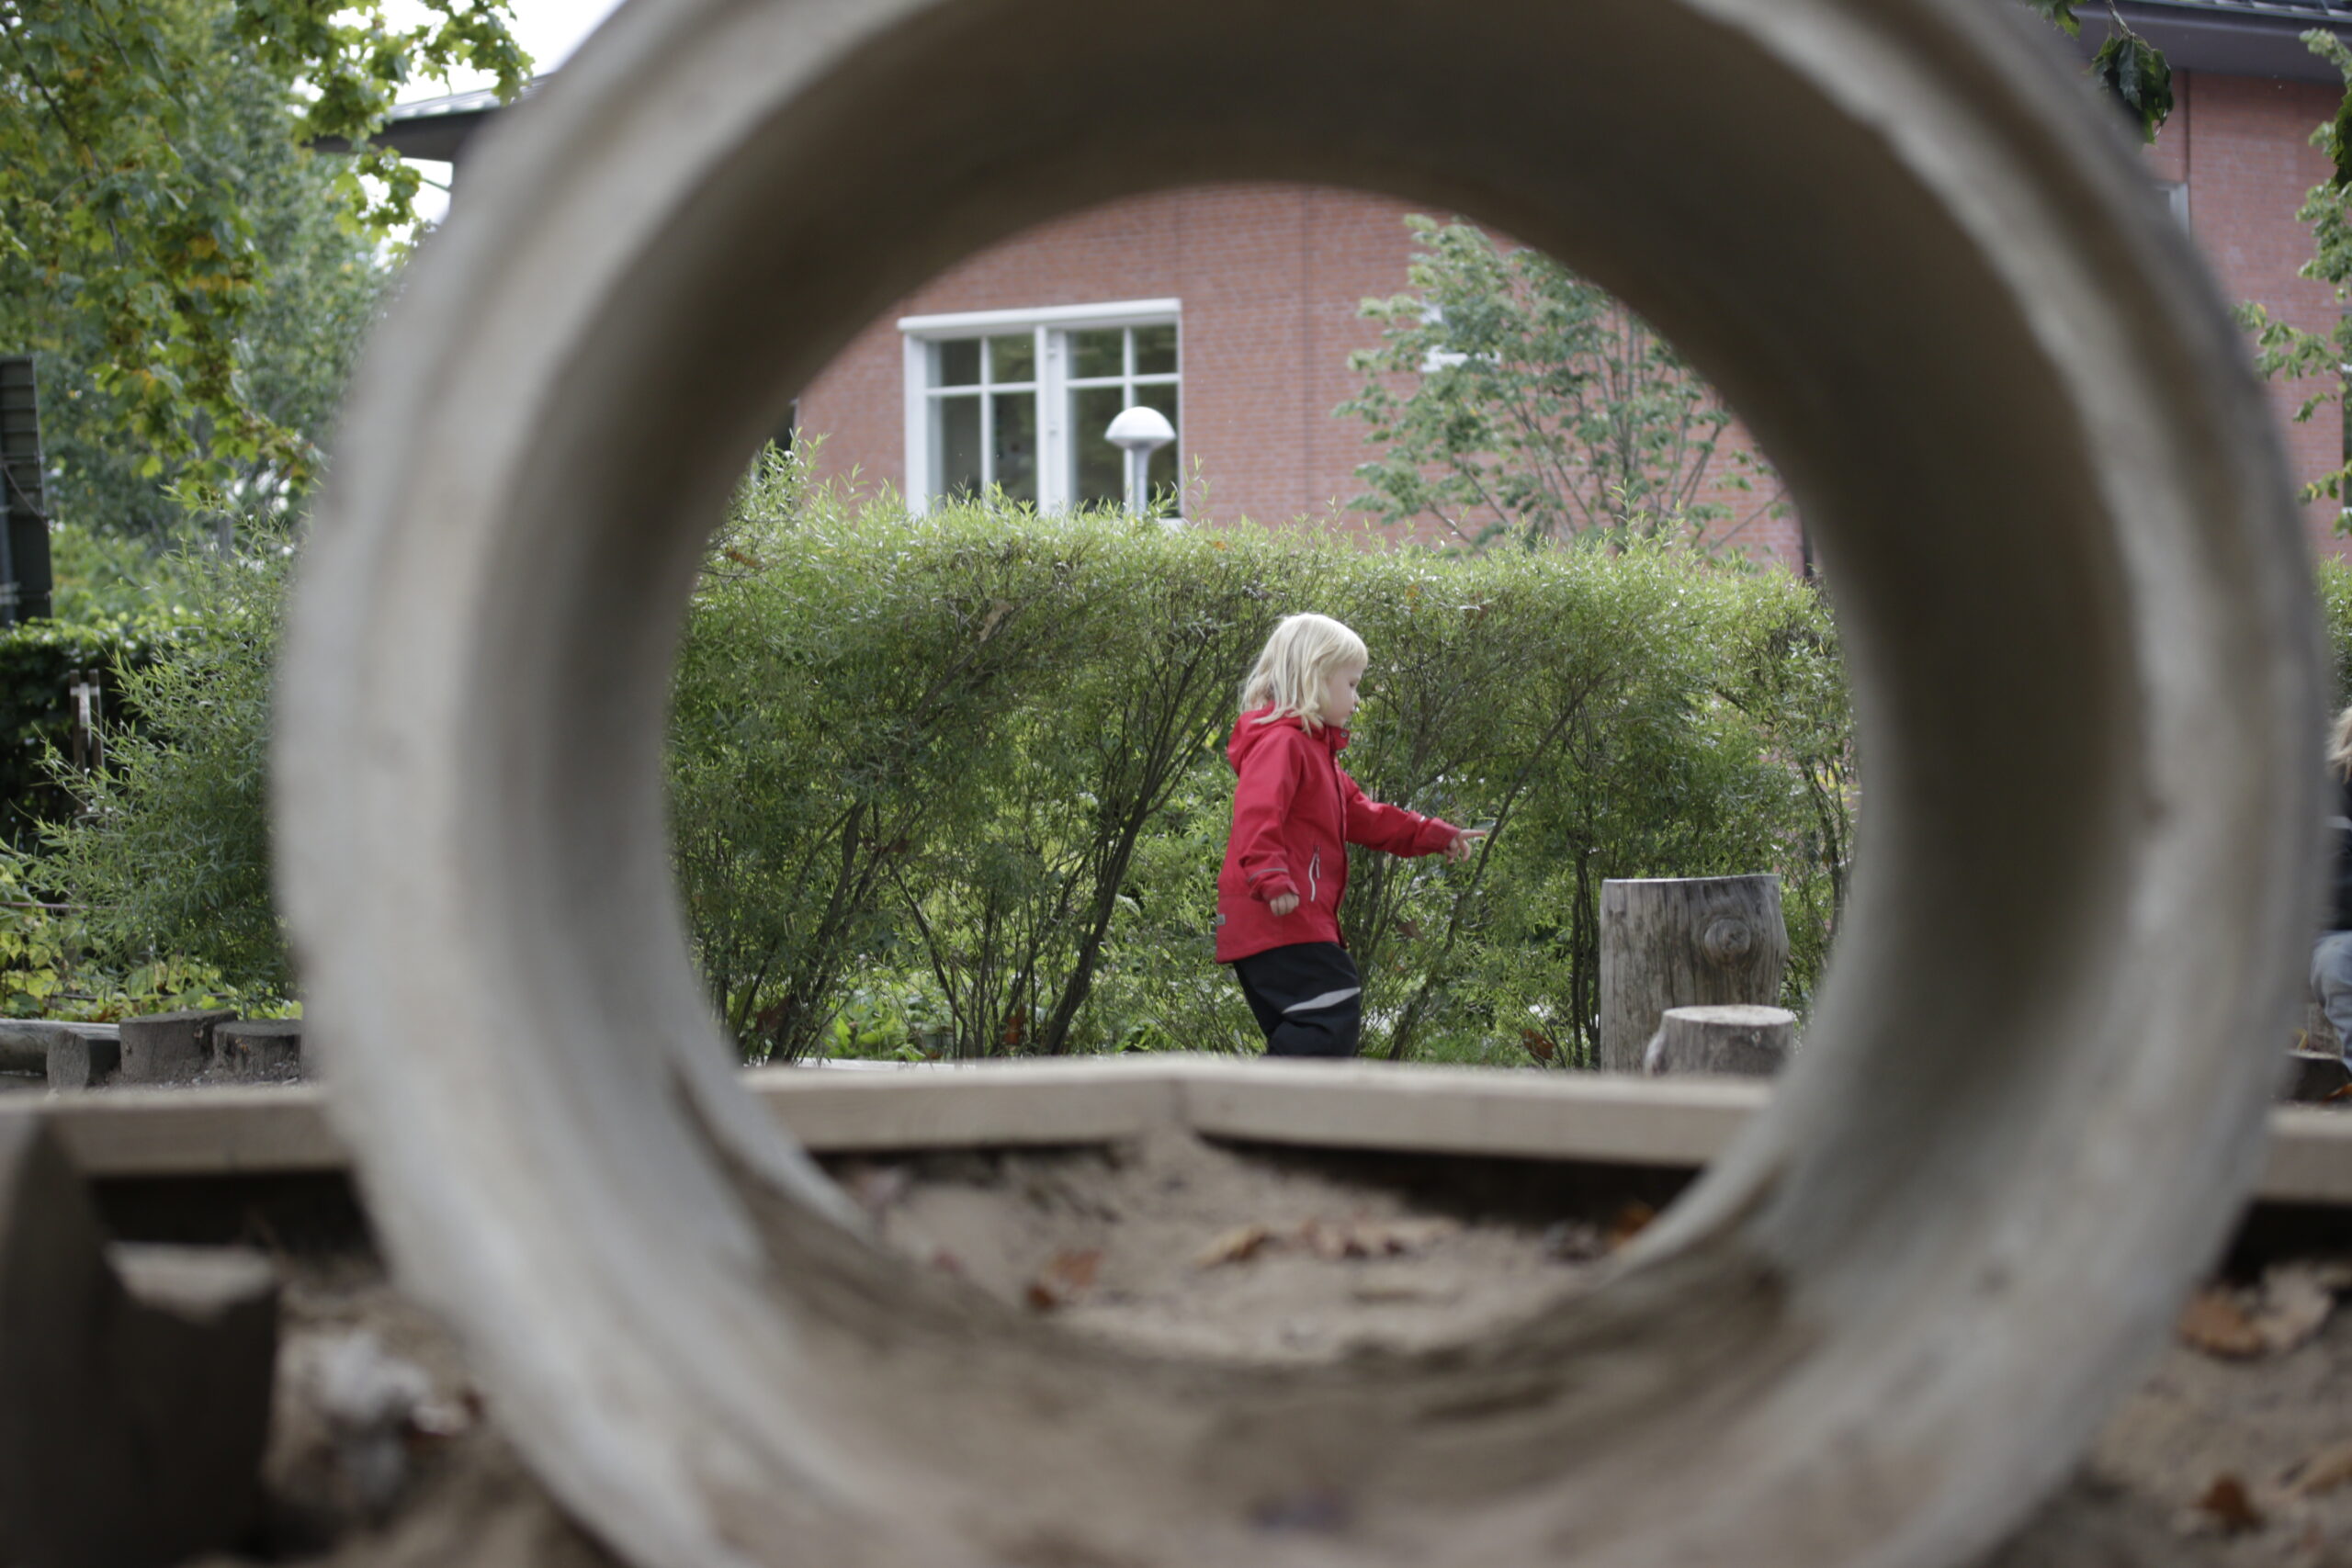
(955, 782)
(191, 273)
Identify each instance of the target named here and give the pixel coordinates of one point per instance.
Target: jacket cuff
(1436, 834)
(1273, 888)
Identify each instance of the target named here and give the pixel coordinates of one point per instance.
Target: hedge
(958, 779)
(955, 782)
(38, 663)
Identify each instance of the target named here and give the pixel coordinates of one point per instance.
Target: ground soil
(1194, 1249)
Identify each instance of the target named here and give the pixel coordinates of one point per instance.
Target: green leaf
(2059, 14)
(2137, 76)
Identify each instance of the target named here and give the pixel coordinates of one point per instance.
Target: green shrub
(169, 855)
(2334, 581)
(38, 663)
(956, 783)
(984, 751)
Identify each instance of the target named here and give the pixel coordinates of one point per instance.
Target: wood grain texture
(1684, 942)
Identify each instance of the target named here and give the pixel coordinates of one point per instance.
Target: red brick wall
(2243, 145)
(1270, 276)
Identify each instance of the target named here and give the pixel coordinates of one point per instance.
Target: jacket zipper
(1313, 870)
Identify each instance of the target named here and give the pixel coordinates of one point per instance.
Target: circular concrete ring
(2072, 586)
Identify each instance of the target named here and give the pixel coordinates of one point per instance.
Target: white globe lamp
(1139, 432)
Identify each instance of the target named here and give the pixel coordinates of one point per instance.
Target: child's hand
(1465, 845)
(1282, 904)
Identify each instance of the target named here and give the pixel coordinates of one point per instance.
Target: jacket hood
(1249, 734)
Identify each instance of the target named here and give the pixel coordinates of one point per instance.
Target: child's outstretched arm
(1262, 797)
(1398, 830)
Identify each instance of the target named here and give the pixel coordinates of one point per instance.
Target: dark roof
(433, 127)
(2232, 38)
(2228, 38)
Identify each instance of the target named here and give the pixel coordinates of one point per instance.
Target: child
(1294, 815)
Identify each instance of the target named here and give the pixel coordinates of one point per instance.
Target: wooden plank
(1010, 1103)
(191, 1132)
(2311, 1157)
(1464, 1111)
(1470, 1111)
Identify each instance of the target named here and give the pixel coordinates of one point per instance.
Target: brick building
(1233, 308)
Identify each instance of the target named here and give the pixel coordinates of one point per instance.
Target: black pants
(1307, 997)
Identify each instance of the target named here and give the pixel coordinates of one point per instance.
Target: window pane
(1100, 353)
(1162, 475)
(958, 362)
(1013, 358)
(1016, 445)
(1101, 475)
(1156, 350)
(958, 470)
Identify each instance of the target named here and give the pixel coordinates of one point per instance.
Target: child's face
(1339, 694)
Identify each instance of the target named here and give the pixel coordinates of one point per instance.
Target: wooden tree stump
(1684, 942)
(1751, 1040)
(134, 1381)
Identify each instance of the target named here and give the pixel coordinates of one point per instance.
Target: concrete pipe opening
(2004, 393)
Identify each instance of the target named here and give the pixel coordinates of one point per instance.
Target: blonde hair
(2339, 745)
(1299, 657)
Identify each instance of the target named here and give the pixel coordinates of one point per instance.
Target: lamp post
(1139, 432)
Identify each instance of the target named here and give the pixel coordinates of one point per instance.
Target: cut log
(1684, 942)
(259, 1048)
(170, 1047)
(133, 1404)
(81, 1058)
(24, 1045)
(1754, 1041)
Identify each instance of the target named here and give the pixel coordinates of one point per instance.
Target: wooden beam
(1448, 1110)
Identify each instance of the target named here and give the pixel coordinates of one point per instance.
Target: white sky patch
(548, 32)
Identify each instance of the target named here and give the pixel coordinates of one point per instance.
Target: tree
(168, 242)
(2286, 352)
(2134, 72)
(1510, 397)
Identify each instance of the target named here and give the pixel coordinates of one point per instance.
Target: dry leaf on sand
(1333, 1240)
(1238, 1245)
(2325, 1470)
(2294, 1305)
(1630, 1222)
(2290, 1305)
(2214, 1323)
(1066, 1277)
(2225, 1505)
(2228, 1504)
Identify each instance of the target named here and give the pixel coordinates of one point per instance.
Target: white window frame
(2175, 195)
(1051, 324)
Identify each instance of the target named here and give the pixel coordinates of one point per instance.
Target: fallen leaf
(2294, 1306)
(2324, 1472)
(1575, 1241)
(2228, 1504)
(1238, 1245)
(1066, 1277)
(1333, 1240)
(2214, 1323)
(1629, 1221)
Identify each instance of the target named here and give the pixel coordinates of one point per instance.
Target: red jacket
(1294, 812)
